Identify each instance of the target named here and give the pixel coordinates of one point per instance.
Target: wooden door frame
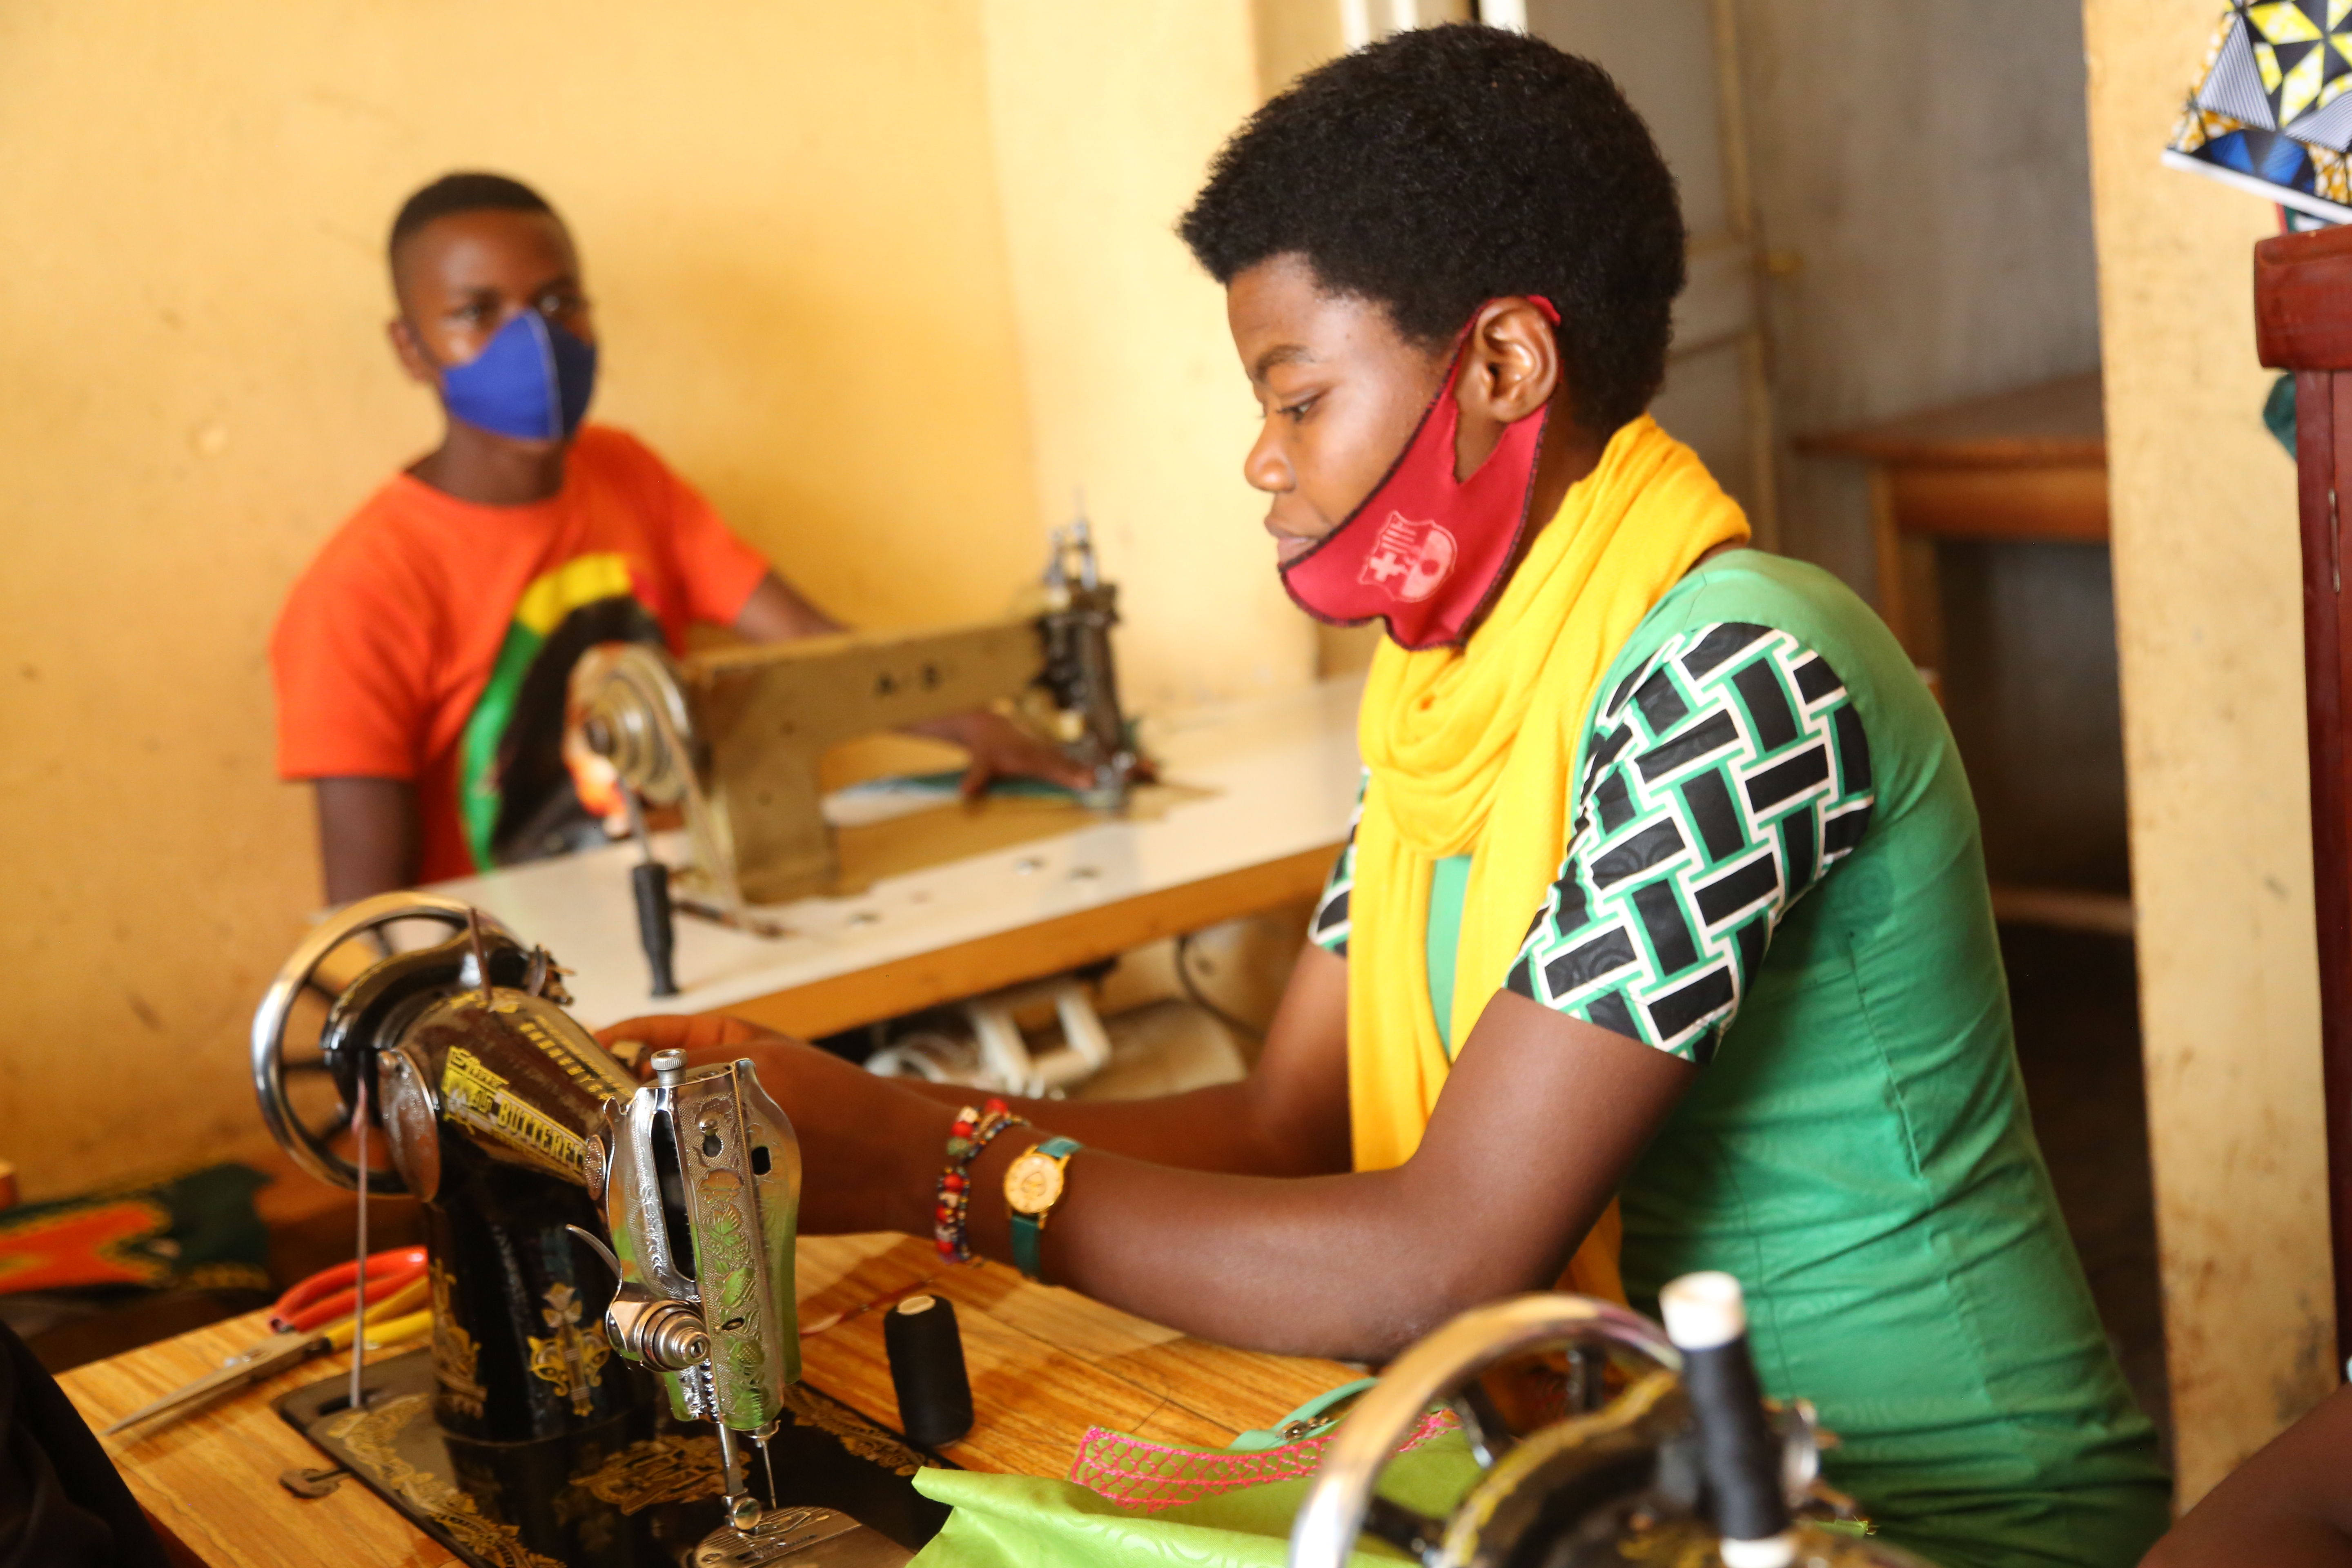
(2302, 324)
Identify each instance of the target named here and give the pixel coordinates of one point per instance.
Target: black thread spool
(927, 1369)
(1707, 1318)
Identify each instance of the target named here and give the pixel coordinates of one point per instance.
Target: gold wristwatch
(1032, 1186)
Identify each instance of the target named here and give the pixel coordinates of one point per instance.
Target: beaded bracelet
(974, 1130)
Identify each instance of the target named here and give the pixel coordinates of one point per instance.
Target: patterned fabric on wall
(196, 1230)
(2270, 113)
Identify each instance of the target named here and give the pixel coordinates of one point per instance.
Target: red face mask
(1426, 553)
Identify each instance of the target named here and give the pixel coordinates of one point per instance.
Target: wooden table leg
(1910, 592)
(2324, 465)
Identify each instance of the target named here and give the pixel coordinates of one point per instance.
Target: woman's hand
(855, 1130)
(1230, 1212)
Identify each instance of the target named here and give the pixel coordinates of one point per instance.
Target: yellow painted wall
(810, 302)
(1294, 35)
(1105, 120)
(2208, 616)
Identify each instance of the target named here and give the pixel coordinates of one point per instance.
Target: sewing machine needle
(768, 1462)
(743, 1510)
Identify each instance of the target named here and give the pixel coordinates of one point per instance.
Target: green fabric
(2278, 412)
(1858, 1153)
(1017, 788)
(1257, 1439)
(1449, 884)
(1027, 1521)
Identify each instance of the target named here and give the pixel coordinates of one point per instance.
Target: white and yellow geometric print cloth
(2270, 113)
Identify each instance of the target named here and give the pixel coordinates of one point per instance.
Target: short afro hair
(464, 192)
(1447, 166)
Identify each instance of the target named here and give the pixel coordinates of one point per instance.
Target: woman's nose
(1267, 468)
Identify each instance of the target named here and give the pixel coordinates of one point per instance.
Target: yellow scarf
(1469, 750)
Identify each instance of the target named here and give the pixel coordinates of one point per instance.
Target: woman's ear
(1510, 368)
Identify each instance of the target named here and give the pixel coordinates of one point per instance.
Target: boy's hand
(1000, 748)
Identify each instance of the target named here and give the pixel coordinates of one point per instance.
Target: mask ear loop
(1518, 539)
(1527, 498)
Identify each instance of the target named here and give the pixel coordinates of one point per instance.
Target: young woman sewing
(1662, 942)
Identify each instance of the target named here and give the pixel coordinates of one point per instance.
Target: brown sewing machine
(732, 738)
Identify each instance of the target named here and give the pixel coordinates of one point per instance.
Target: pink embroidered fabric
(1154, 1476)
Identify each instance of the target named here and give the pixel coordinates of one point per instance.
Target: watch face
(1032, 1182)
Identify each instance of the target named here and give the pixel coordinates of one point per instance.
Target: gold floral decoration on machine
(572, 1356)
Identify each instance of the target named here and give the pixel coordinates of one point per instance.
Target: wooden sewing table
(953, 904)
(2027, 464)
(1045, 1366)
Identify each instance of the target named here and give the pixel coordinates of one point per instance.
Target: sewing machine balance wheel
(312, 1148)
(1522, 1477)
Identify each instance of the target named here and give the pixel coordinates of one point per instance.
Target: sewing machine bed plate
(1260, 799)
(639, 1495)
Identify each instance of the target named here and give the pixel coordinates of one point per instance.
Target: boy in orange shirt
(421, 661)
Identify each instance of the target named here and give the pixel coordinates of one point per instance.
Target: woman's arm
(2287, 1507)
(1539, 1122)
(1289, 1118)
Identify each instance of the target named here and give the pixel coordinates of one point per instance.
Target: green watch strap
(1029, 1229)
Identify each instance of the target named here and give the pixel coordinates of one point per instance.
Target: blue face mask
(532, 381)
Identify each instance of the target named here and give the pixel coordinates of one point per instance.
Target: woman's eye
(1293, 412)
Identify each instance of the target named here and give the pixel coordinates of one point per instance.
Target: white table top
(1280, 773)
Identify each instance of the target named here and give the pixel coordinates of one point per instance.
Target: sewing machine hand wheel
(313, 1149)
(1444, 1367)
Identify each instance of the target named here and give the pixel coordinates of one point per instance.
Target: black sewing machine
(577, 1219)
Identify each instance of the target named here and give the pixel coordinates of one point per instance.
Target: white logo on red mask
(1410, 559)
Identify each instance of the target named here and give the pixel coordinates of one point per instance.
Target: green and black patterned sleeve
(1722, 779)
(1329, 928)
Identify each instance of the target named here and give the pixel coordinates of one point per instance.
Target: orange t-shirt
(431, 639)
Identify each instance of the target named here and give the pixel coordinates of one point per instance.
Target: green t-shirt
(1774, 872)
